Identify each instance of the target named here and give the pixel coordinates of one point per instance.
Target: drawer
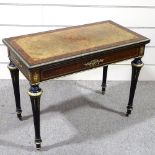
(88, 62)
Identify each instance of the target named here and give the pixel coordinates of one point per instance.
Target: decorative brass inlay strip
(94, 62)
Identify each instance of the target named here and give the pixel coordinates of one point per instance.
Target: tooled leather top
(57, 44)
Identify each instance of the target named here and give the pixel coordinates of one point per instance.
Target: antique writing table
(46, 55)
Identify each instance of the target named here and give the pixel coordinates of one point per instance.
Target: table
(47, 55)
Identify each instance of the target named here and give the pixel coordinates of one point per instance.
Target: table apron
(89, 62)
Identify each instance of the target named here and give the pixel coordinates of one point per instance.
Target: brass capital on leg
(35, 90)
(11, 66)
(137, 62)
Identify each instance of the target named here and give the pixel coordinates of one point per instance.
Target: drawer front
(91, 61)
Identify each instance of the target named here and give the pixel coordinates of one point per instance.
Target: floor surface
(76, 119)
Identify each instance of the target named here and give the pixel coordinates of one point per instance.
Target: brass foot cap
(127, 115)
(38, 146)
(19, 116)
(103, 92)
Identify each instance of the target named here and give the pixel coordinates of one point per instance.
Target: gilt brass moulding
(94, 62)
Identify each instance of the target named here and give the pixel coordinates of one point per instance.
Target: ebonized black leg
(35, 93)
(137, 64)
(15, 81)
(105, 68)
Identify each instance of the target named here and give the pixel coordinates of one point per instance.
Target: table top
(56, 45)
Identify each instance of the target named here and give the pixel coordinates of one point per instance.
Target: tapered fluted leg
(35, 94)
(15, 81)
(105, 68)
(137, 64)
